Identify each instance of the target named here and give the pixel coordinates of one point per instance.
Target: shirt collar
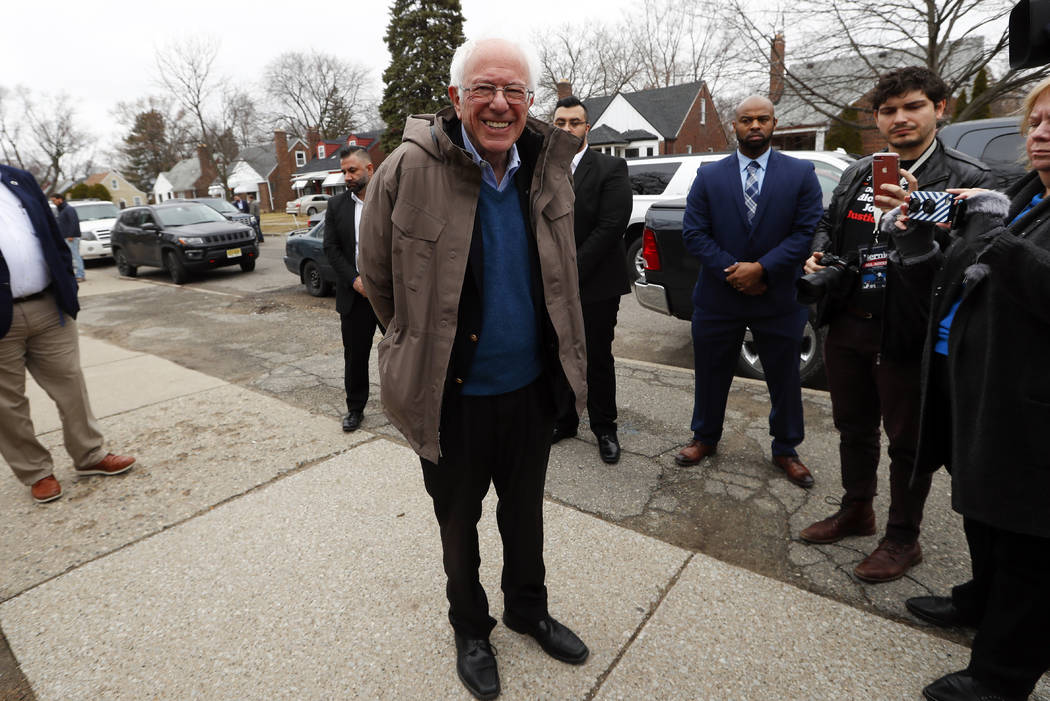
(578, 157)
(513, 162)
(355, 198)
(762, 160)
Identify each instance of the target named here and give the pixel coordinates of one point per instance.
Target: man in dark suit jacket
(341, 223)
(38, 305)
(603, 209)
(749, 219)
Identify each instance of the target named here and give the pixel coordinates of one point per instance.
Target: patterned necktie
(751, 190)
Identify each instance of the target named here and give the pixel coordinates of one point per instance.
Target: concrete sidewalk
(257, 552)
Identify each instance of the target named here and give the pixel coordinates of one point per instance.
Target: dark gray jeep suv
(180, 236)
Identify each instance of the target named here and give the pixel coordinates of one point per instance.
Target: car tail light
(650, 252)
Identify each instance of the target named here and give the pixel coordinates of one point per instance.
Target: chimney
(282, 190)
(564, 88)
(313, 137)
(208, 170)
(776, 68)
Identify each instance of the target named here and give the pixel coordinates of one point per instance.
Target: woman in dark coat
(986, 416)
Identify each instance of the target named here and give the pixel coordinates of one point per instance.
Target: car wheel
(311, 211)
(316, 285)
(248, 264)
(635, 261)
(175, 268)
(123, 266)
(811, 359)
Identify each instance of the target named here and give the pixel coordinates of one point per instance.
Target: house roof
(664, 108)
(261, 158)
(638, 135)
(184, 174)
(319, 165)
(603, 134)
(814, 89)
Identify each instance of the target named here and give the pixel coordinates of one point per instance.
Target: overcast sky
(102, 52)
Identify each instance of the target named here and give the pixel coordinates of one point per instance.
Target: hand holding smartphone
(885, 169)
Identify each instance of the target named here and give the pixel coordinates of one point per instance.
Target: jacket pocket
(558, 207)
(417, 234)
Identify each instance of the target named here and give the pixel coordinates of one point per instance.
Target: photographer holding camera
(985, 411)
(877, 320)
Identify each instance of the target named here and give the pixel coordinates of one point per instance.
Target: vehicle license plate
(233, 252)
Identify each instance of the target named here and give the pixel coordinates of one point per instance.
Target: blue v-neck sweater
(507, 357)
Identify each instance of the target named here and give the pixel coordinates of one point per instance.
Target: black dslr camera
(837, 275)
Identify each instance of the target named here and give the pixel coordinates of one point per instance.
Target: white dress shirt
(20, 247)
(359, 205)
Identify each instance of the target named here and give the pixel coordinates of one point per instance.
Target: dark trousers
(716, 348)
(866, 388)
(358, 328)
(503, 439)
(1010, 596)
(599, 324)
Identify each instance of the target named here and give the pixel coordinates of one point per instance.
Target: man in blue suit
(38, 302)
(749, 219)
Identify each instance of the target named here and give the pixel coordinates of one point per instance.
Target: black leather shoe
(556, 640)
(940, 611)
(352, 421)
(960, 686)
(561, 433)
(609, 448)
(476, 667)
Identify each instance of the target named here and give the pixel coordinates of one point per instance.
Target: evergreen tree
(83, 191)
(980, 85)
(147, 150)
(961, 103)
(422, 36)
(843, 134)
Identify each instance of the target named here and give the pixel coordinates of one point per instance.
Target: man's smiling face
(493, 126)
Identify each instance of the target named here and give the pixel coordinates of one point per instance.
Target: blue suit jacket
(715, 230)
(56, 251)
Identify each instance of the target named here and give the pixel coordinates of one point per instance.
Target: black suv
(996, 141)
(180, 236)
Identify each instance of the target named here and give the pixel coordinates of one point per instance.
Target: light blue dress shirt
(487, 174)
(762, 161)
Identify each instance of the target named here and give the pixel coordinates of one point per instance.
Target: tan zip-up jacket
(414, 246)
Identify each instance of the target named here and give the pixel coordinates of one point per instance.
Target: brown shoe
(109, 465)
(693, 453)
(889, 561)
(45, 490)
(794, 469)
(854, 518)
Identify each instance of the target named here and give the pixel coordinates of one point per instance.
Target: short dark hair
(573, 101)
(902, 80)
(360, 151)
(59, 195)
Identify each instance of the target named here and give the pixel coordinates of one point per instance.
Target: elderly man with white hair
(468, 257)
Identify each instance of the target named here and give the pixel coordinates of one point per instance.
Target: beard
(357, 185)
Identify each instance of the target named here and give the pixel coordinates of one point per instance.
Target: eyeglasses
(571, 123)
(513, 94)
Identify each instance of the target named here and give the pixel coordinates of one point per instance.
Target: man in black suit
(341, 224)
(603, 209)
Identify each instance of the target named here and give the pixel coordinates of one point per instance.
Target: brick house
(676, 119)
(808, 95)
(322, 174)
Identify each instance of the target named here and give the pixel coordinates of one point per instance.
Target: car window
(1004, 150)
(318, 231)
(147, 218)
(131, 218)
(828, 178)
(189, 213)
(220, 206)
(651, 178)
(93, 212)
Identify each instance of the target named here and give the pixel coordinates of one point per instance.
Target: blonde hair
(1029, 102)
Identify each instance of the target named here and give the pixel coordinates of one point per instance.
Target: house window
(114, 185)
(138, 200)
(703, 112)
(123, 204)
(649, 151)
(631, 153)
(689, 149)
(300, 159)
(320, 150)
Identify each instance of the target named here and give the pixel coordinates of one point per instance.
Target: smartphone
(885, 168)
